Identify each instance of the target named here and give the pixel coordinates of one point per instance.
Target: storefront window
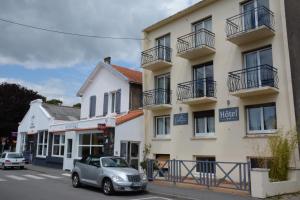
(42, 145)
(90, 144)
(58, 145)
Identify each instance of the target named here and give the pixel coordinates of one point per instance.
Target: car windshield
(14, 155)
(114, 162)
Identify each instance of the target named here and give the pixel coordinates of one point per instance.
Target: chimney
(107, 60)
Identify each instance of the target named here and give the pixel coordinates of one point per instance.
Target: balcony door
(163, 48)
(254, 14)
(162, 89)
(258, 65)
(203, 80)
(201, 36)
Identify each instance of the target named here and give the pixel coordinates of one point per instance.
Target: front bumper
(14, 164)
(129, 186)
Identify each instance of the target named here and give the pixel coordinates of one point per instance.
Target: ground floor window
(261, 118)
(58, 145)
(259, 162)
(162, 125)
(90, 144)
(204, 122)
(42, 143)
(206, 164)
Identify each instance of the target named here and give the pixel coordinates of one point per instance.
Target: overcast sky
(56, 65)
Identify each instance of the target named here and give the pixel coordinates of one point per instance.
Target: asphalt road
(33, 185)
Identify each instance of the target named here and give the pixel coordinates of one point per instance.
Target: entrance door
(130, 152)
(69, 155)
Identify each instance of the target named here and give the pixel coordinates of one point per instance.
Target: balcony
(158, 99)
(156, 58)
(196, 44)
(197, 92)
(250, 26)
(254, 81)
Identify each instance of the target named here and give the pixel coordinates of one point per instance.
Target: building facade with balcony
(218, 81)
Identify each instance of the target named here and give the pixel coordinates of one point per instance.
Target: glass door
(162, 89)
(69, 148)
(130, 152)
(201, 36)
(249, 18)
(163, 43)
(203, 80)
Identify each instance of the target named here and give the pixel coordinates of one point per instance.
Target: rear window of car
(14, 155)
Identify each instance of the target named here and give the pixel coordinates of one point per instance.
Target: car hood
(121, 171)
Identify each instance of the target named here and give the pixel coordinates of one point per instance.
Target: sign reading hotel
(181, 119)
(229, 114)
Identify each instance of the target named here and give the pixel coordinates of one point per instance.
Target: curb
(172, 195)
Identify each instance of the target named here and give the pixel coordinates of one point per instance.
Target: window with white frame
(261, 118)
(58, 145)
(162, 125)
(204, 123)
(42, 143)
(113, 101)
(90, 144)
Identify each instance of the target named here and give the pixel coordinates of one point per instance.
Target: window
(162, 89)
(3, 155)
(58, 145)
(162, 125)
(205, 164)
(90, 144)
(42, 144)
(261, 118)
(23, 142)
(204, 122)
(113, 102)
(264, 163)
(203, 76)
(163, 48)
(92, 106)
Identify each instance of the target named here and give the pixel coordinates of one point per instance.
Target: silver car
(109, 173)
(11, 159)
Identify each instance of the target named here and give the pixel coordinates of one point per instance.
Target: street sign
(181, 119)
(229, 114)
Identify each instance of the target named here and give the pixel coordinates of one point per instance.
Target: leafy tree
(14, 103)
(55, 102)
(77, 105)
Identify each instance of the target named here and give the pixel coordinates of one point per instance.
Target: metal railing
(249, 20)
(196, 39)
(156, 97)
(195, 89)
(156, 53)
(253, 77)
(231, 175)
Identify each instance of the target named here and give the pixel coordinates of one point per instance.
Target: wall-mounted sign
(181, 119)
(229, 114)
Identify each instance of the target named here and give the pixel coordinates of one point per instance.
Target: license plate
(15, 163)
(136, 184)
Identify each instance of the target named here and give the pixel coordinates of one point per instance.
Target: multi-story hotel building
(220, 78)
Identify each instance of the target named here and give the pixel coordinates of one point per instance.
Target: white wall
(132, 130)
(104, 81)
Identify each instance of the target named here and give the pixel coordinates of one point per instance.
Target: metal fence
(253, 77)
(231, 175)
(196, 39)
(195, 89)
(156, 97)
(260, 16)
(156, 53)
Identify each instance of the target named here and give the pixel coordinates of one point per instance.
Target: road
(34, 185)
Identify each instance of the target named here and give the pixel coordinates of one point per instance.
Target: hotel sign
(181, 119)
(229, 114)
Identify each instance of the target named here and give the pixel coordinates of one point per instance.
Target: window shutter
(118, 102)
(92, 106)
(105, 104)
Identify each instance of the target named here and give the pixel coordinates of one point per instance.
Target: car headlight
(144, 177)
(117, 179)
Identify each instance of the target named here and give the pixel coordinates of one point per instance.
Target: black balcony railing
(253, 77)
(156, 53)
(252, 19)
(196, 89)
(156, 97)
(196, 39)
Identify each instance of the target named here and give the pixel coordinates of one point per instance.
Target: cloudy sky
(56, 65)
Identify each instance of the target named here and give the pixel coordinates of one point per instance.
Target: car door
(83, 165)
(93, 171)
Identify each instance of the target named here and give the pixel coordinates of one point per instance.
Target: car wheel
(75, 181)
(3, 167)
(108, 187)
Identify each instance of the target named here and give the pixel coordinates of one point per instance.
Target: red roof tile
(132, 75)
(129, 116)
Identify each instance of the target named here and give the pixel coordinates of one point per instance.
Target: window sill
(161, 139)
(204, 138)
(260, 135)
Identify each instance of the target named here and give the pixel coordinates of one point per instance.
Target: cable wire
(68, 33)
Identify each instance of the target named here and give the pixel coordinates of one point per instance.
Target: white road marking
(16, 177)
(66, 174)
(33, 177)
(149, 198)
(50, 176)
(2, 180)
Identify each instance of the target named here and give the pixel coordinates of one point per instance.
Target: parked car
(112, 174)
(12, 159)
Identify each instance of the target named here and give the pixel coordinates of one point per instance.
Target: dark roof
(63, 113)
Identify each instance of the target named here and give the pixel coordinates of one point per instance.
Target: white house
(111, 120)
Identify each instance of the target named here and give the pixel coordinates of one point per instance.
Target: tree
(77, 105)
(14, 103)
(55, 102)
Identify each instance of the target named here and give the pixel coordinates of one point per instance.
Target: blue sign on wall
(229, 114)
(181, 119)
